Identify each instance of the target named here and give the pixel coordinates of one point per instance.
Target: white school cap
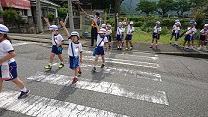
(131, 22)
(158, 22)
(3, 29)
(103, 25)
(119, 23)
(206, 25)
(53, 27)
(102, 30)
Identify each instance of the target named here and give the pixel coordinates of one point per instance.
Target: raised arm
(65, 29)
(46, 20)
(98, 28)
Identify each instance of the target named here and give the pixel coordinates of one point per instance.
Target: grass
(140, 36)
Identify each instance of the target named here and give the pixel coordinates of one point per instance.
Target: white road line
(154, 57)
(138, 74)
(125, 62)
(44, 107)
(143, 94)
(23, 43)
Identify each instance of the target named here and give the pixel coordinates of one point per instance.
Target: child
(99, 50)
(74, 52)
(203, 34)
(7, 55)
(189, 33)
(193, 36)
(103, 26)
(177, 33)
(173, 29)
(156, 34)
(129, 34)
(120, 34)
(108, 34)
(57, 42)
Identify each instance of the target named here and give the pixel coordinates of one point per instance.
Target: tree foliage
(146, 6)
(165, 6)
(182, 6)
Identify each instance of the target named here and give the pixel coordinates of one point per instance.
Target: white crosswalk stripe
(149, 95)
(44, 107)
(23, 43)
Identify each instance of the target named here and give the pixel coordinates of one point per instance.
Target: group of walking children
(74, 49)
(120, 34)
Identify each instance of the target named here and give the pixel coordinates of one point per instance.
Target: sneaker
(23, 94)
(170, 43)
(174, 45)
(130, 48)
(93, 69)
(126, 49)
(150, 46)
(118, 48)
(48, 67)
(156, 46)
(102, 66)
(74, 80)
(61, 65)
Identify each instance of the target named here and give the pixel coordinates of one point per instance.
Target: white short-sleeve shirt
(108, 32)
(5, 48)
(157, 29)
(130, 30)
(120, 30)
(177, 29)
(204, 32)
(75, 48)
(101, 41)
(56, 39)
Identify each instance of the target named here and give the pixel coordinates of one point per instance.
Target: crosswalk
(130, 66)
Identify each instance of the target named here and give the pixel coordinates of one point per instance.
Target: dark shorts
(192, 37)
(73, 62)
(202, 37)
(128, 37)
(119, 37)
(154, 35)
(177, 35)
(99, 51)
(188, 38)
(56, 50)
(173, 33)
(109, 38)
(13, 71)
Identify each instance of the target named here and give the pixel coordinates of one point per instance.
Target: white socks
(24, 89)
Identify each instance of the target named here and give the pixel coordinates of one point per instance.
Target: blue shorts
(119, 37)
(57, 50)
(177, 35)
(154, 35)
(202, 37)
(128, 37)
(188, 38)
(192, 37)
(73, 62)
(109, 38)
(98, 51)
(13, 71)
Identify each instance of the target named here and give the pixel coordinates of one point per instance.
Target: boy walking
(156, 34)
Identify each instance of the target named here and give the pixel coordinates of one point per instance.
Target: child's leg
(19, 83)
(130, 42)
(202, 43)
(1, 82)
(188, 43)
(184, 43)
(199, 43)
(103, 59)
(51, 58)
(156, 40)
(96, 60)
(127, 45)
(75, 72)
(60, 57)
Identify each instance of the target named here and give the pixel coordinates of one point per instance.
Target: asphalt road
(133, 83)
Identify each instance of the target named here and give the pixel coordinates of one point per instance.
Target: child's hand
(62, 23)
(46, 19)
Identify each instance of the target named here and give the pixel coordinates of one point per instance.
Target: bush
(138, 24)
(11, 16)
(51, 17)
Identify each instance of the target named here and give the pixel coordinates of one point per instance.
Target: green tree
(146, 6)
(199, 4)
(165, 6)
(62, 12)
(182, 6)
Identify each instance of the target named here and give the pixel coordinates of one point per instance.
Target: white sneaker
(199, 48)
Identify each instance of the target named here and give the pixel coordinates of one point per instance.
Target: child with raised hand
(120, 34)
(129, 35)
(57, 42)
(108, 34)
(189, 33)
(156, 34)
(7, 60)
(74, 52)
(99, 49)
(177, 33)
(202, 37)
